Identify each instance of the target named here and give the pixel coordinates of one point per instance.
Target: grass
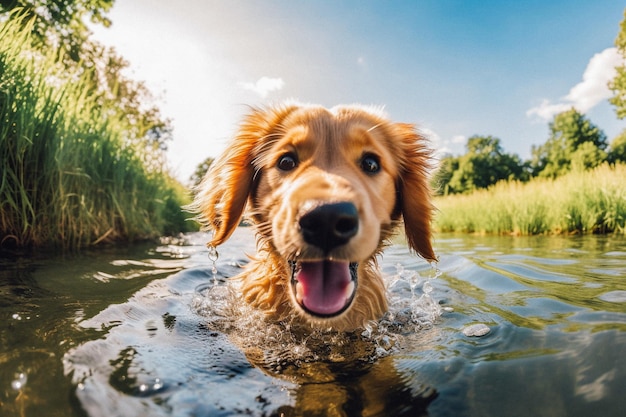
(580, 202)
(69, 175)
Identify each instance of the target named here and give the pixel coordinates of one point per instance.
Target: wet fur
(245, 180)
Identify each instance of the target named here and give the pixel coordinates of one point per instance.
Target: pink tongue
(323, 286)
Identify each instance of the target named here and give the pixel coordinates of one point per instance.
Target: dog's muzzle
(325, 286)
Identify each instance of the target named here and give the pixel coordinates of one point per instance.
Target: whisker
(375, 127)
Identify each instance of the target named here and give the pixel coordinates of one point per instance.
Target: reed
(69, 175)
(591, 201)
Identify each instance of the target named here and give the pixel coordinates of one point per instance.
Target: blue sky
(456, 68)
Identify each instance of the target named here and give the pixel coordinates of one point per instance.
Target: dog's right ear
(222, 196)
(414, 192)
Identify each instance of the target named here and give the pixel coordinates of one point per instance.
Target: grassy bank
(69, 175)
(580, 202)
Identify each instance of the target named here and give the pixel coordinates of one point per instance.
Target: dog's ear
(414, 193)
(222, 196)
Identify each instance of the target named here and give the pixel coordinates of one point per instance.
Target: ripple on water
(159, 356)
(185, 346)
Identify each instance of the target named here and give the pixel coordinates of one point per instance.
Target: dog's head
(325, 189)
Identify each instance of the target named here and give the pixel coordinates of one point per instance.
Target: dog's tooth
(350, 289)
(299, 292)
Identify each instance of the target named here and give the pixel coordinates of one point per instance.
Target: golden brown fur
(286, 161)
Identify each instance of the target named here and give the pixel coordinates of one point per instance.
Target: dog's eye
(370, 164)
(287, 162)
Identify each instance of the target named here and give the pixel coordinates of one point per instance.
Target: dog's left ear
(414, 193)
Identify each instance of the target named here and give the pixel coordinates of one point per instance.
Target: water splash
(412, 306)
(287, 347)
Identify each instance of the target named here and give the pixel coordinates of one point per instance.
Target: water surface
(502, 326)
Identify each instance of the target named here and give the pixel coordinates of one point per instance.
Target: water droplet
(19, 381)
(157, 384)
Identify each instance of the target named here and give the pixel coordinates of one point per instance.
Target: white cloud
(547, 110)
(593, 88)
(264, 86)
(589, 92)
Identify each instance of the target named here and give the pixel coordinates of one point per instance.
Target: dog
(325, 189)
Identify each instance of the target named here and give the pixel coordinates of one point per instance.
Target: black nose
(330, 225)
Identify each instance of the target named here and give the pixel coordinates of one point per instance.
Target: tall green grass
(580, 202)
(69, 174)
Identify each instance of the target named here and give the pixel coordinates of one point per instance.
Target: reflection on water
(504, 326)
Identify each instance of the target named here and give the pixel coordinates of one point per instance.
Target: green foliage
(128, 99)
(61, 24)
(618, 84)
(587, 156)
(574, 129)
(175, 220)
(73, 169)
(592, 201)
(572, 138)
(617, 150)
(484, 164)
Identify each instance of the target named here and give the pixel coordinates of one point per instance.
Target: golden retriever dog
(325, 189)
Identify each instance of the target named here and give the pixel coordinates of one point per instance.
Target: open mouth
(324, 288)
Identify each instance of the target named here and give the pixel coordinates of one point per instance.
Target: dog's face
(326, 192)
(325, 189)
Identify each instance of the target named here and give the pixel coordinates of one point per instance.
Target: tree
(617, 150)
(587, 156)
(572, 136)
(618, 84)
(133, 101)
(484, 164)
(62, 23)
(200, 172)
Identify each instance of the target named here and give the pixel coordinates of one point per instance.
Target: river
(500, 326)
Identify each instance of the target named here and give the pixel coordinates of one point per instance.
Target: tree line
(575, 143)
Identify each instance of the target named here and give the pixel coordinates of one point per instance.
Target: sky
(455, 68)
